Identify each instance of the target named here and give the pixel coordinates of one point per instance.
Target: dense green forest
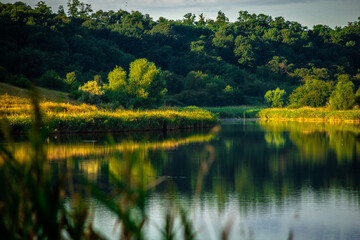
(200, 61)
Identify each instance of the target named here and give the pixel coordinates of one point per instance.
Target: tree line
(318, 93)
(200, 61)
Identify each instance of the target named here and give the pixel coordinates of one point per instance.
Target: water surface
(269, 180)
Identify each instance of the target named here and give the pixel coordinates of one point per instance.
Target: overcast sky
(306, 12)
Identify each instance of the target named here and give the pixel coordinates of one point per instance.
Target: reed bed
(66, 117)
(308, 114)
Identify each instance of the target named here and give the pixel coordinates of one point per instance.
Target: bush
(275, 98)
(91, 92)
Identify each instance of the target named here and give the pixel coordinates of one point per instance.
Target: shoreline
(64, 117)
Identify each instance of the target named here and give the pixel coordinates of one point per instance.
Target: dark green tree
(343, 97)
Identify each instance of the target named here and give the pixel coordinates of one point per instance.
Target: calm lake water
(268, 180)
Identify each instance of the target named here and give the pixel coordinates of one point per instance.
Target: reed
(66, 117)
(309, 114)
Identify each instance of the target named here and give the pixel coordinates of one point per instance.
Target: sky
(306, 12)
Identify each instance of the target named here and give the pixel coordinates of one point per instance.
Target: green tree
(244, 50)
(221, 19)
(116, 90)
(42, 13)
(78, 9)
(202, 20)
(145, 83)
(117, 79)
(189, 19)
(73, 6)
(343, 97)
(275, 98)
(314, 93)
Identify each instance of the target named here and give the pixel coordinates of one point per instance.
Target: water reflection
(269, 178)
(316, 140)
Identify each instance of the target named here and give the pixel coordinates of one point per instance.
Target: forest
(128, 60)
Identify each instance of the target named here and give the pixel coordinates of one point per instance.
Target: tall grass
(309, 114)
(65, 117)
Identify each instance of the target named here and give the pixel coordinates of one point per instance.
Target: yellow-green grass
(309, 114)
(68, 117)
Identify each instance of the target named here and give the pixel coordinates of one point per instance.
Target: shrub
(91, 92)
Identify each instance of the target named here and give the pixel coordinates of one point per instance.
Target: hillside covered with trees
(129, 59)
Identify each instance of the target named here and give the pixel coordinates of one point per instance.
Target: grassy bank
(308, 114)
(76, 117)
(236, 111)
